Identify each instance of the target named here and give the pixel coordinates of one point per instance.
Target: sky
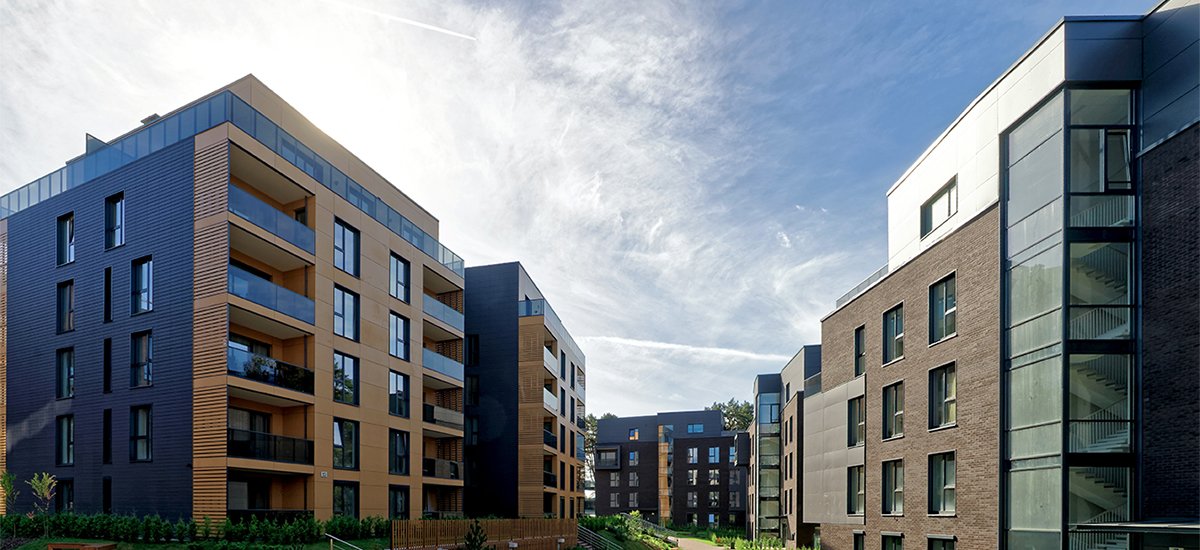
(690, 184)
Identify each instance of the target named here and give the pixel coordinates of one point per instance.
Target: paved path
(693, 544)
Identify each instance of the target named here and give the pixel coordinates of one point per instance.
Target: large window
(633, 479)
(398, 394)
(692, 501)
(860, 541)
(140, 448)
(114, 221)
(399, 278)
(66, 238)
(614, 479)
(941, 483)
(345, 378)
(398, 336)
(345, 444)
(345, 499)
(633, 458)
(714, 455)
(714, 477)
(939, 207)
(398, 502)
(64, 454)
(141, 359)
(943, 400)
(693, 455)
(856, 490)
(141, 285)
(345, 247)
(860, 350)
(941, 544)
(856, 423)
(398, 452)
(345, 313)
(66, 306)
(614, 500)
(942, 309)
(893, 334)
(65, 361)
(893, 410)
(633, 500)
(695, 428)
(893, 487)
(893, 542)
(693, 476)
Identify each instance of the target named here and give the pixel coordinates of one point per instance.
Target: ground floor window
(345, 499)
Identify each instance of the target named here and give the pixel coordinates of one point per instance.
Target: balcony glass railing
(442, 312)
(549, 439)
(437, 362)
(550, 361)
(549, 479)
(264, 446)
(443, 417)
(441, 469)
(244, 284)
(250, 366)
(265, 216)
(206, 114)
(550, 400)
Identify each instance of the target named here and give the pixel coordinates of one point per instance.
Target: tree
(476, 538)
(43, 485)
(738, 414)
(8, 483)
(591, 423)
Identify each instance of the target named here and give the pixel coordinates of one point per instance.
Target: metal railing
(549, 479)
(440, 363)
(259, 213)
(441, 469)
(1101, 210)
(860, 287)
(549, 439)
(251, 366)
(595, 541)
(1100, 322)
(244, 284)
(443, 416)
(265, 446)
(1100, 540)
(442, 312)
(335, 542)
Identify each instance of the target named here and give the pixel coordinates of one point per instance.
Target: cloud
(700, 353)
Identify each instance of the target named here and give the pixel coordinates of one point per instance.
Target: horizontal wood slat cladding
(3, 357)
(530, 533)
(210, 324)
(530, 342)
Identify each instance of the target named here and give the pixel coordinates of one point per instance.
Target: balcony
(443, 417)
(442, 312)
(264, 446)
(441, 469)
(244, 364)
(549, 480)
(550, 361)
(549, 439)
(606, 459)
(437, 362)
(550, 400)
(246, 285)
(277, 223)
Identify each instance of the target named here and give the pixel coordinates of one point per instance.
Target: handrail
(333, 538)
(593, 539)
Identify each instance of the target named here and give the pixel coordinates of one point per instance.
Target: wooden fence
(529, 534)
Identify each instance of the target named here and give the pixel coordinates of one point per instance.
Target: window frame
(344, 486)
(714, 455)
(856, 481)
(64, 385)
(395, 262)
(399, 325)
(399, 464)
(141, 366)
(949, 315)
(633, 479)
(64, 238)
(893, 410)
(633, 434)
(114, 221)
(634, 457)
(937, 462)
(893, 334)
(350, 327)
(344, 451)
(141, 285)
(856, 421)
(394, 511)
(714, 476)
(860, 351)
(405, 399)
(948, 190)
(135, 437)
(339, 365)
(943, 396)
(65, 306)
(341, 230)
(893, 484)
(64, 440)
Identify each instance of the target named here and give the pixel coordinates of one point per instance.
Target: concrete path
(693, 544)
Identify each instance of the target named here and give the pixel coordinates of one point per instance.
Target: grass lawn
(40, 544)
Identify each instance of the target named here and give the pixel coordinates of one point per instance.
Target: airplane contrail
(404, 20)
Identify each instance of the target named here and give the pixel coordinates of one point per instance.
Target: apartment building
(525, 382)
(674, 468)
(1010, 378)
(247, 321)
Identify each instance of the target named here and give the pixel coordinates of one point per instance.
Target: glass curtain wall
(768, 520)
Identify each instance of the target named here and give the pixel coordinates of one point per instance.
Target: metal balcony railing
(549, 439)
(250, 366)
(443, 417)
(441, 469)
(549, 479)
(259, 213)
(265, 446)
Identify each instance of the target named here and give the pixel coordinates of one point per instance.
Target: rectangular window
(633, 500)
(860, 541)
(345, 313)
(108, 295)
(106, 499)
(345, 499)
(64, 454)
(398, 502)
(66, 238)
(714, 455)
(345, 444)
(142, 285)
(66, 306)
(398, 394)
(140, 448)
(693, 476)
(106, 438)
(893, 410)
(65, 361)
(856, 422)
(633, 434)
(345, 378)
(714, 500)
(714, 477)
(107, 365)
(893, 487)
(692, 500)
(695, 428)
(399, 278)
(141, 360)
(345, 247)
(943, 400)
(941, 544)
(856, 490)
(398, 452)
(893, 334)
(860, 350)
(940, 207)
(614, 500)
(633, 479)
(64, 497)
(633, 458)
(114, 221)
(734, 499)
(893, 542)
(732, 455)
(614, 479)
(942, 309)
(693, 455)
(398, 336)
(941, 483)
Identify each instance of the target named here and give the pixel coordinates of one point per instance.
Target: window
(398, 452)
(692, 501)
(64, 498)
(614, 479)
(856, 423)
(893, 487)
(66, 238)
(106, 505)
(106, 438)
(941, 483)
(860, 350)
(399, 274)
(141, 360)
(942, 308)
(732, 455)
(893, 542)
(398, 394)
(142, 286)
(398, 336)
(139, 434)
(714, 477)
(345, 313)
(735, 498)
(114, 221)
(108, 295)
(714, 499)
(633, 458)
(941, 544)
(943, 391)
(345, 444)
(695, 428)
(633, 500)
(633, 434)
(397, 502)
(64, 452)
(735, 477)
(65, 361)
(345, 378)
(345, 499)
(893, 334)
(692, 476)
(714, 455)
(860, 541)
(345, 247)
(693, 455)
(856, 490)
(940, 207)
(66, 306)
(633, 479)
(614, 500)
(107, 365)
(893, 410)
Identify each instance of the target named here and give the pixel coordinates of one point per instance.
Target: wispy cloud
(694, 352)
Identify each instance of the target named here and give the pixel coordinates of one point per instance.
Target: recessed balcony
(443, 417)
(258, 290)
(443, 313)
(244, 204)
(271, 447)
(244, 364)
(550, 401)
(439, 363)
(441, 469)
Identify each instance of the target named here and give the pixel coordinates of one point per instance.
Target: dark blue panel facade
(158, 219)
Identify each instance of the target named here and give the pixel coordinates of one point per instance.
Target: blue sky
(691, 184)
